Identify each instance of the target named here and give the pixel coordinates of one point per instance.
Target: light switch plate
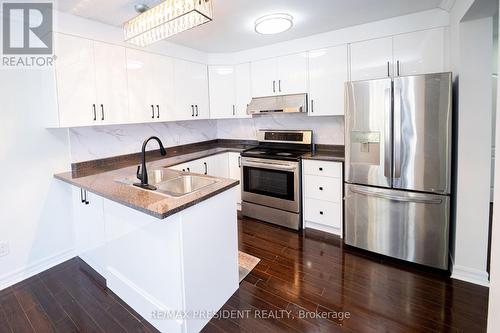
(4, 248)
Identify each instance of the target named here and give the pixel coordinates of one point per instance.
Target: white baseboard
(11, 278)
(470, 275)
(324, 228)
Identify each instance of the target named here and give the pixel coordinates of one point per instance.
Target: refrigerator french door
(398, 162)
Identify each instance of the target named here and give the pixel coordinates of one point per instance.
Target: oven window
(273, 183)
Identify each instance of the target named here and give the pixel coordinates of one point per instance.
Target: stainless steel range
(271, 184)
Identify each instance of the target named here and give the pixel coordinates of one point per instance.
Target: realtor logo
(27, 28)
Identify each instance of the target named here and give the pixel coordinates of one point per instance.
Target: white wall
(471, 63)
(494, 299)
(36, 216)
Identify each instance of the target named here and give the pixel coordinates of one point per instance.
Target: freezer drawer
(404, 225)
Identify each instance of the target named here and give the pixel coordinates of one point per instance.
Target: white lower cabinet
(224, 165)
(89, 230)
(235, 173)
(322, 184)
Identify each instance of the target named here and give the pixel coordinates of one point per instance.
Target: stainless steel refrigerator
(398, 165)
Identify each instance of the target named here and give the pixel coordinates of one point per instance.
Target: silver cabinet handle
(388, 69)
(102, 112)
(192, 110)
(239, 161)
(397, 67)
(206, 168)
(279, 85)
(395, 197)
(152, 111)
(196, 106)
(274, 86)
(95, 112)
(234, 110)
(158, 113)
(312, 105)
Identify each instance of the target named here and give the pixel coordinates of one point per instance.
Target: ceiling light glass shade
(273, 24)
(166, 19)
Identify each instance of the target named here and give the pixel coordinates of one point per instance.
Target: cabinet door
(199, 90)
(263, 75)
(89, 229)
(75, 75)
(218, 165)
(243, 89)
(327, 74)
(163, 91)
(371, 59)
(222, 91)
(140, 86)
(184, 101)
(292, 74)
(420, 52)
(234, 163)
(111, 83)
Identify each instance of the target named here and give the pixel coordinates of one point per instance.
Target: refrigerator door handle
(395, 197)
(387, 133)
(397, 132)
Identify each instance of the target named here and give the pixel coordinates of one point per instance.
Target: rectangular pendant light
(166, 19)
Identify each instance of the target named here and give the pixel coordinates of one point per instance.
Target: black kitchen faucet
(142, 172)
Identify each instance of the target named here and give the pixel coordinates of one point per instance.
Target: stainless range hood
(274, 104)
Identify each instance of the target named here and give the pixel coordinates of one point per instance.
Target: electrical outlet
(4, 248)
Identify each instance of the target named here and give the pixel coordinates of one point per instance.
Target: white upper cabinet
(191, 87)
(328, 71)
(229, 90)
(222, 91)
(91, 82)
(292, 74)
(111, 83)
(420, 52)
(371, 59)
(280, 76)
(264, 73)
(75, 77)
(243, 93)
(151, 86)
(413, 53)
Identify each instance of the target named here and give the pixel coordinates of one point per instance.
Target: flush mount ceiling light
(166, 19)
(273, 24)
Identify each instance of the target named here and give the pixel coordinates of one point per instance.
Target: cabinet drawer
(323, 212)
(322, 168)
(323, 188)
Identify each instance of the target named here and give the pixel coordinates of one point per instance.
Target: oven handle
(274, 166)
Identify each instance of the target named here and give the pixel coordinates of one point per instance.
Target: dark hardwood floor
(300, 273)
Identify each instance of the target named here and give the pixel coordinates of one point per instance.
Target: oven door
(271, 183)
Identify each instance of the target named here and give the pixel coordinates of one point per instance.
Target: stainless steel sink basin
(184, 184)
(172, 183)
(155, 177)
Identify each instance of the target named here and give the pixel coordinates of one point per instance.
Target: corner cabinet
(280, 76)
(229, 90)
(91, 82)
(328, 72)
(322, 194)
(191, 90)
(413, 53)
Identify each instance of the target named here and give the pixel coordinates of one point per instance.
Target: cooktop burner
(273, 153)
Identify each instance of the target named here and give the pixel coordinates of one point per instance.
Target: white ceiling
(233, 26)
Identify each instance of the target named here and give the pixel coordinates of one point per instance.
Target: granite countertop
(325, 155)
(158, 205)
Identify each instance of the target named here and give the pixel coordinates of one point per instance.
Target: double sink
(173, 183)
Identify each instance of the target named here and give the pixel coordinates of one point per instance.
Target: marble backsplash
(89, 143)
